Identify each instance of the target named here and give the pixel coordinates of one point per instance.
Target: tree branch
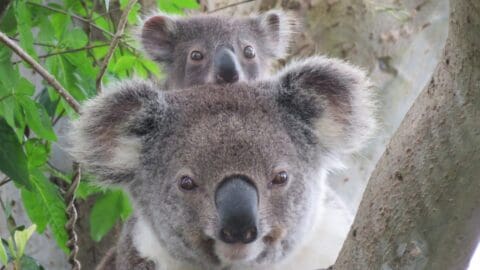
(113, 45)
(43, 72)
(420, 208)
(230, 5)
(69, 51)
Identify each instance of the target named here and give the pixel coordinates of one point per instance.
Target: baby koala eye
(196, 56)
(280, 179)
(186, 183)
(249, 52)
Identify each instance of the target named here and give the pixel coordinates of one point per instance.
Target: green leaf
(85, 189)
(3, 254)
(133, 14)
(75, 38)
(11, 248)
(46, 102)
(29, 263)
(37, 152)
(47, 32)
(108, 209)
(13, 161)
(8, 23)
(45, 206)
(22, 237)
(24, 21)
(60, 23)
(37, 118)
(124, 63)
(177, 6)
(152, 67)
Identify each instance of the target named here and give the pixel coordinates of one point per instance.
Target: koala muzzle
(225, 66)
(236, 199)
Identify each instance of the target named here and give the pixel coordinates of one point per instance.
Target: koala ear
(158, 37)
(107, 138)
(277, 28)
(331, 99)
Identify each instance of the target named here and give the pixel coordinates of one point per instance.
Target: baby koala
(217, 49)
(228, 177)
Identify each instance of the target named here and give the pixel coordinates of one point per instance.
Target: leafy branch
(69, 51)
(113, 45)
(43, 72)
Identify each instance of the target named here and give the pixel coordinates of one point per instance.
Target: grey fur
(143, 140)
(169, 40)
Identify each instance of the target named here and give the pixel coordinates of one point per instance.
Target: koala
(216, 49)
(228, 177)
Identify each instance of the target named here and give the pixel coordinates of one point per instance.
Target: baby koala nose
(236, 200)
(226, 67)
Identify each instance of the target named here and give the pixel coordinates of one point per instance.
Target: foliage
(70, 39)
(12, 250)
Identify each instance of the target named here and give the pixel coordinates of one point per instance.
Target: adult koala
(227, 177)
(209, 48)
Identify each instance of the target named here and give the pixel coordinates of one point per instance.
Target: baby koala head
(227, 175)
(216, 49)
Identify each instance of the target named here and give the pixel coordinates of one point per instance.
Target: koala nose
(226, 67)
(236, 199)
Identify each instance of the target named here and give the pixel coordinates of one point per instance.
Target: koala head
(227, 175)
(215, 49)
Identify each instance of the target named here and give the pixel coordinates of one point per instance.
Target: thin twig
(113, 45)
(69, 51)
(87, 21)
(230, 5)
(5, 180)
(43, 72)
(37, 43)
(72, 218)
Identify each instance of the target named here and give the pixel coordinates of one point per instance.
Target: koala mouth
(231, 253)
(240, 252)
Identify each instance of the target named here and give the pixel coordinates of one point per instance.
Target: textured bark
(421, 206)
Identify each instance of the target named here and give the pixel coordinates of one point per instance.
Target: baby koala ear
(276, 29)
(158, 37)
(332, 99)
(107, 137)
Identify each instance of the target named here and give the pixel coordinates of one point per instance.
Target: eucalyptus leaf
(3, 254)
(37, 118)
(44, 206)
(29, 263)
(110, 207)
(22, 237)
(13, 161)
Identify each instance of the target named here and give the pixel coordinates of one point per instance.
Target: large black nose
(237, 199)
(225, 66)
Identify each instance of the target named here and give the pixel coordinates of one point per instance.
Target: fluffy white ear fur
(100, 138)
(344, 95)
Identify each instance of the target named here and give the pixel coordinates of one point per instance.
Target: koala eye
(187, 183)
(196, 56)
(249, 52)
(280, 179)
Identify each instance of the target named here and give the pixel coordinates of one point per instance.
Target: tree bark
(421, 206)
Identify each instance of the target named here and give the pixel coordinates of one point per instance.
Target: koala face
(215, 49)
(226, 176)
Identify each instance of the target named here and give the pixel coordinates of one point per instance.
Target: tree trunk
(421, 206)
